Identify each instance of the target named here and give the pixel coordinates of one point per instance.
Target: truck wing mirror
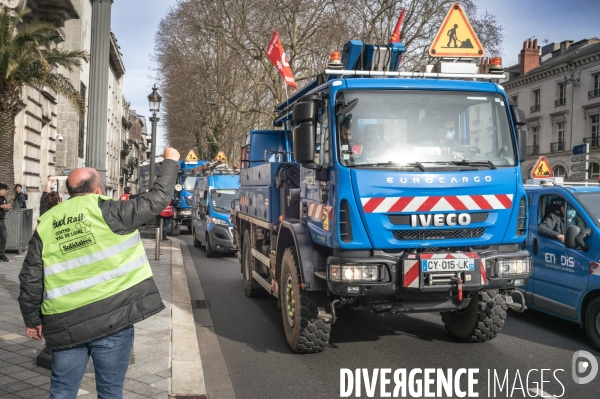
(235, 204)
(522, 143)
(304, 133)
(574, 238)
(201, 210)
(518, 115)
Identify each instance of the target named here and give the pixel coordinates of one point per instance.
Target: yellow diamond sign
(221, 157)
(456, 37)
(191, 156)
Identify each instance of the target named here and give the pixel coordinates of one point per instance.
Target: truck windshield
(417, 129)
(189, 182)
(221, 199)
(591, 203)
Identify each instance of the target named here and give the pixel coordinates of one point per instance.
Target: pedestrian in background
(4, 206)
(126, 195)
(93, 280)
(49, 198)
(166, 215)
(20, 200)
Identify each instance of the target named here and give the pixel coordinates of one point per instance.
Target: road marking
(540, 393)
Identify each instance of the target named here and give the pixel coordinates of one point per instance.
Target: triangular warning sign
(541, 169)
(191, 156)
(221, 157)
(456, 37)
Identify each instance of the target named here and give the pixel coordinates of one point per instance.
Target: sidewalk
(165, 366)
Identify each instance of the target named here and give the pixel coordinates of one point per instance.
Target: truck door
(560, 275)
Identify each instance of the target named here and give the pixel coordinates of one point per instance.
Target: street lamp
(154, 100)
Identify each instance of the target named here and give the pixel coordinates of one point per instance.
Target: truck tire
(197, 242)
(592, 322)
(304, 331)
(480, 321)
(251, 287)
(174, 228)
(209, 250)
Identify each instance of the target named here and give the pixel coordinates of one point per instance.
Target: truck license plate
(447, 265)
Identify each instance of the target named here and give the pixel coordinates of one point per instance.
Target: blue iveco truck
(565, 281)
(387, 191)
(216, 188)
(183, 195)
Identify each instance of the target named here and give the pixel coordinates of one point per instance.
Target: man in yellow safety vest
(86, 279)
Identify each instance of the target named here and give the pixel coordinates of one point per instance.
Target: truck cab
(213, 194)
(564, 242)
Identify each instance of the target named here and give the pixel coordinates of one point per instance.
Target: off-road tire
(592, 322)
(210, 253)
(304, 331)
(174, 228)
(197, 242)
(251, 287)
(480, 321)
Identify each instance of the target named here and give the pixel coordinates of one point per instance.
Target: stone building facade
(558, 87)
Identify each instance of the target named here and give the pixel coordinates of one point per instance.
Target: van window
(591, 203)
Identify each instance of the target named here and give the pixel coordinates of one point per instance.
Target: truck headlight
(220, 222)
(185, 212)
(354, 274)
(514, 267)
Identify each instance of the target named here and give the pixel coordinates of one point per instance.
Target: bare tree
(218, 83)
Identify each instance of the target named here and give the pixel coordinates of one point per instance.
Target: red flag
(396, 35)
(277, 56)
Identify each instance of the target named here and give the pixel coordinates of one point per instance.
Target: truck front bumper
(221, 239)
(409, 278)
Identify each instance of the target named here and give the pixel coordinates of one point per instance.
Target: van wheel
(209, 250)
(304, 331)
(592, 322)
(481, 320)
(197, 242)
(251, 287)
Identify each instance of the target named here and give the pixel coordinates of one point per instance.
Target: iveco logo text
(451, 219)
(442, 180)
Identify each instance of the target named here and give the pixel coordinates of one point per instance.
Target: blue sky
(135, 23)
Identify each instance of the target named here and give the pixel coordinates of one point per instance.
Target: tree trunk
(8, 113)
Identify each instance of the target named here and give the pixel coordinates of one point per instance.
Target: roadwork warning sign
(191, 156)
(541, 169)
(456, 37)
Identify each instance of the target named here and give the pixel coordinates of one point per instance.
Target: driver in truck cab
(347, 148)
(553, 225)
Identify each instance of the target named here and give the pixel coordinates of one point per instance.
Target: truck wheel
(197, 242)
(304, 331)
(251, 287)
(592, 322)
(174, 228)
(480, 321)
(209, 251)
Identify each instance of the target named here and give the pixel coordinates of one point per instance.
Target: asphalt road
(261, 365)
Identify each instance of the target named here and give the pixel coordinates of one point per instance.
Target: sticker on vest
(73, 232)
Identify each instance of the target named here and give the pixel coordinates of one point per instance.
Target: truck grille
(405, 219)
(448, 234)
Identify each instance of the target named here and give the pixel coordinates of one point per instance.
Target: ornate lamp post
(154, 99)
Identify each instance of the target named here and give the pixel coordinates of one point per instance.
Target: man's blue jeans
(111, 359)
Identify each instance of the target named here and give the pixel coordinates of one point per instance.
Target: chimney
(530, 56)
(564, 46)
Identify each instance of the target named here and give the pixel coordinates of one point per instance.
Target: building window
(536, 101)
(559, 171)
(595, 122)
(562, 100)
(559, 145)
(81, 139)
(594, 170)
(515, 99)
(595, 92)
(535, 148)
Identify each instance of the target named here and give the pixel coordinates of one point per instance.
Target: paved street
(259, 363)
(149, 377)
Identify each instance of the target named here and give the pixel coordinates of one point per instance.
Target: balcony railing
(594, 93)
(535, 107)
(593, 141)
(560, 101)
(557, 146)
(533, 149)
